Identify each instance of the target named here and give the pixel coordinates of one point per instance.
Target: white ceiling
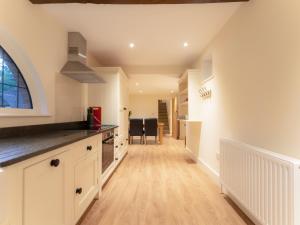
(153, 79)
(158, 32)
(153, 84)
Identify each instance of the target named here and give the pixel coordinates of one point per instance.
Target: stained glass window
(14, 92)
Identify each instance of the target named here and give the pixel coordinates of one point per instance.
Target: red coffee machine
(94, 117)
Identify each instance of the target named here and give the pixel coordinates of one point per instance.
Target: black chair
(151, 129)
(136, 128)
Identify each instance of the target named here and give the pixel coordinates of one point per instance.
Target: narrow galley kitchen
(142, 112)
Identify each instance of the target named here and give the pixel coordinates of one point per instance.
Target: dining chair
(136, 128)
(151, 128)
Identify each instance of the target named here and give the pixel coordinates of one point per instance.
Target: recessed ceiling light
(185, 44)
(172, 91)
(140, 91)
(137, 84)
(131, 45)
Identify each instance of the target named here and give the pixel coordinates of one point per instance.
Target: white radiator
(265, 184)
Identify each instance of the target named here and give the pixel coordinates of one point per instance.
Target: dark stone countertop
(19, 148)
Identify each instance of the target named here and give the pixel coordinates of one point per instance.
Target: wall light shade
(131, 45)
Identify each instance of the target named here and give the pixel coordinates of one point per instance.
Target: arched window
(14, 92)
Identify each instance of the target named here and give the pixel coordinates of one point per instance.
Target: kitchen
(58, 150)
(56, 170)
(218, 79)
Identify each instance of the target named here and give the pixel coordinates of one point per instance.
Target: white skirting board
(215, 176)
(208, 169)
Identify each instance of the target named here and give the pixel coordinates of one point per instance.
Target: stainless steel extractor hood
(76, 67)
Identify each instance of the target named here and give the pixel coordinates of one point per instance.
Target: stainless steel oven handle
(108, 141)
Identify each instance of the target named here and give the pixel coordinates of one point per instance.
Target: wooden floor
(159, 185)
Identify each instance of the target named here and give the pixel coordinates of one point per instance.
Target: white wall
(255, 96)
(44, 41)
(194, 83)
(145, 106)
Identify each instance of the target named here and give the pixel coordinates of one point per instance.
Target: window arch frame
(17, 86)
(31, 76)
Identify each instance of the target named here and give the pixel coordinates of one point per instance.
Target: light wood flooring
(160, 185)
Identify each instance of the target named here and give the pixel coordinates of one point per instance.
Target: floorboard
(160, 185)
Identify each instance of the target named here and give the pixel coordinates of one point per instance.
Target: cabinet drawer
(86, 147)
(123, 143)
(117, 135)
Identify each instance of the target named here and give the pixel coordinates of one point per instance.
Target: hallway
(160, 185)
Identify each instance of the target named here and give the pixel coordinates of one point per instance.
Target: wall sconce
(204, 92)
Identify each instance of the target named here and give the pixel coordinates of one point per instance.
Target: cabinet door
(124, 102)
(86, 184)
(44, 192)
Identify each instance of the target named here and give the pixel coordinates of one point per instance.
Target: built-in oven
(107, 149)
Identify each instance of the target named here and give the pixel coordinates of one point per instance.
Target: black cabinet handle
(124, 108)
(126, 139)
(122, 144)
(117, 146)
(116, 135)
(78, 191)
(116, 158)
(55, 162)
(89, 148)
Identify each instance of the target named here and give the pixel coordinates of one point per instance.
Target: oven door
(107, 153)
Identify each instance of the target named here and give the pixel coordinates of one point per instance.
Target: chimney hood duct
(76, 67)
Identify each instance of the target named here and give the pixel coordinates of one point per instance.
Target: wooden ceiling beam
(125, 2)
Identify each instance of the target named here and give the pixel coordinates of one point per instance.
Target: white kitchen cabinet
(4, 198)
(86, 184)
(113, 97)
(121, 144)
(124, 105)
(44, 188)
